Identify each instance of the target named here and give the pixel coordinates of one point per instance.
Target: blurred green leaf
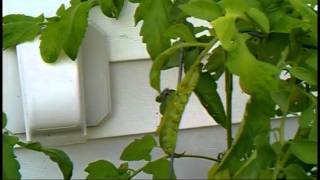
(294, 171)
(239, 6)
(309, 16)
(162, 59)
(202, 9)
(102, 169)
(307, 118)
(282, 98)
(19, 28)
(305, 150)
(312, 61)
(304, 74)
(256, 77)
(10, 166)
(155, 22)
(58, 156)
(139, 149)
(77, 22)
(226, 31)
(281, 23)
(270, 48)
(243, 144)
(66, 33)
(216, 60)
(4, 120)
(180, 31)
(259, 18)
(313, 135)
(206, 90)
(159, 169)
(111, 8)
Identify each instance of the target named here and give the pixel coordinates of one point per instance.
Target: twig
(228, 85)
(195, 156)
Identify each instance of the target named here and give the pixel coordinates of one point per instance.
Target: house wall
(207, 141)
(134, 111)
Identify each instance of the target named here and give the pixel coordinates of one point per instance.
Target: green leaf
(312, 61)
(51, 41)
(4, 120)
(256, 77)
(307, 118)
(180, 31)
(206, 90)
(162, 59)
(308, 15)
(281, 97)
(226, 31)
(61, 10)
(259, 160)
(77, 20)
(160, 169)
(102, 169)
(269, 49)
(176, 15)
(244, 25)
(224, 174)
(255, 116)
(313, 135)
(259, 18)
(75, 2)
(239, 6)
(304, 74)
(139, 149)
(15, 18)
(282, 23)
(290, 97)
(305, 150)
(266, 174)
(10, 166)
(19, 28)
(202, 9)
(154, 14)
(216, 60)
(123, 168)
(174, 60)
(66, 34)
(111, 8)
(57, 156)
(249, 169)
(294, 171)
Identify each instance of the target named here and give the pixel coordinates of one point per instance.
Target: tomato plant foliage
(257, 40)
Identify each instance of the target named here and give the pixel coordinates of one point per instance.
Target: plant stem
(175, 156)
(196, 156)
(282, 161)
(228, 89)
(281, 129)
(180, 65)
(141, 168)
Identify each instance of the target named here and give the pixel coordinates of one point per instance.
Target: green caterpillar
(171, 118)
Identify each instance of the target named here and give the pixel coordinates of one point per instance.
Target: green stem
(228, 89)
